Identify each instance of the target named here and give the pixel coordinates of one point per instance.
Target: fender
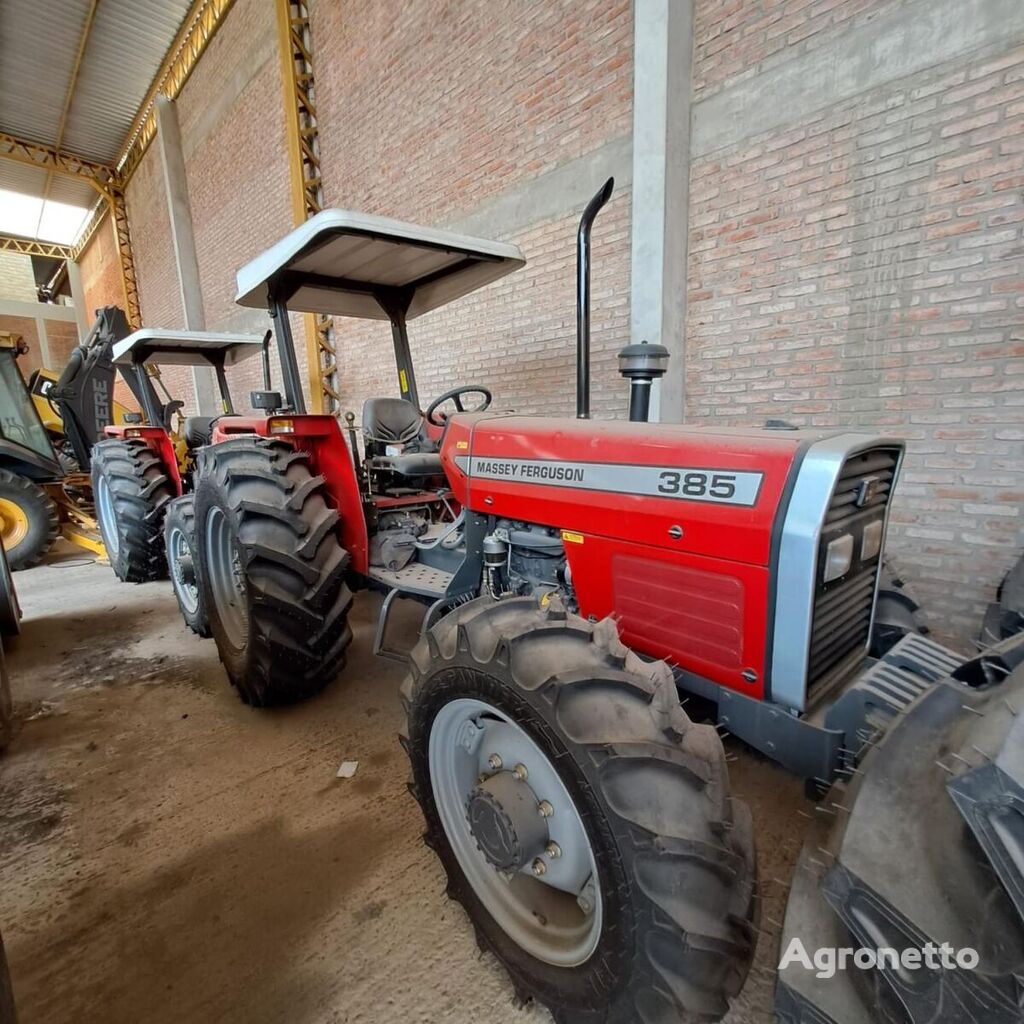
(157, 439)
(321, 438)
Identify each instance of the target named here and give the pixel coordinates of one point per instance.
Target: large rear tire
(183, 563)
(29, 524)
(132, 491)
(514, 711)
(272, 569)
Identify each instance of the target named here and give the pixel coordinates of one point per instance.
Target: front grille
(842, 608)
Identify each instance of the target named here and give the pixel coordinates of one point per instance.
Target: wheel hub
(13, 523)
(505, 820)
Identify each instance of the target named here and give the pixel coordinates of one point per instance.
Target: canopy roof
(343, 263)
(185, 348)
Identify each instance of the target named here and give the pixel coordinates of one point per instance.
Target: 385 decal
(698, 484)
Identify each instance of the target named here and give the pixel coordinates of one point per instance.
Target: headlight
(838, 557)
(871, 542)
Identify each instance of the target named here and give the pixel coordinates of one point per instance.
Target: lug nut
(494, 762)
(584, 904)
(553, 850)
(521, 773)
(545, 809)
(539, 867)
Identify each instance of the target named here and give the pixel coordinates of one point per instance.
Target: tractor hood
(704, 490)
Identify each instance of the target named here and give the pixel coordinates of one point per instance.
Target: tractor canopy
(342, 263)
(153, 347)
(185, 348)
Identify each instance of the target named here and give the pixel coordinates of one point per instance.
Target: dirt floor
(168, 854)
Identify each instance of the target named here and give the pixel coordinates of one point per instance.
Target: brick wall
(865, 267)
(232, 128)
(427, 111)
(735, 39)
(16, 278)
(101, 271)
(517, 336)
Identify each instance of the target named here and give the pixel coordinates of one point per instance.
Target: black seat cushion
(413, 464)
(197, 430)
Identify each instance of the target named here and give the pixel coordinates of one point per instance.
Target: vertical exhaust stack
(583, 298)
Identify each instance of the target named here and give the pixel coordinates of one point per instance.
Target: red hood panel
(641, 482)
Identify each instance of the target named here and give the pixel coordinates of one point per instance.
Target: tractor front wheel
(584, 822)
(271, 569)
(132, 491)
(28, 520)
(182, 562)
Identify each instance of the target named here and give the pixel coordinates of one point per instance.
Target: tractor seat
(396, 422)
(197, 430)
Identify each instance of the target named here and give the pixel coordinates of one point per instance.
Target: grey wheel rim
(188, 593)
(107, 516)
(227, 583)
(555, 916)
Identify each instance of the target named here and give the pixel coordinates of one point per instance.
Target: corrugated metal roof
(39, 42)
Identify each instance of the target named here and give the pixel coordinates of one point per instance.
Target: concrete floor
(168, 854)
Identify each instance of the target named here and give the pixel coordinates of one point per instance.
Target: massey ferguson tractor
(574, 576)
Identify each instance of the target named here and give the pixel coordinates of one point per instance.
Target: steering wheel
(455, 395)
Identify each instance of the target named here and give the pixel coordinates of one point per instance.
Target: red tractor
(575, 574)
(142, 472)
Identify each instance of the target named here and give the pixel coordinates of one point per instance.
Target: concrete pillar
(172, 159)
(44, 346)
(662, 57)
(83, 316)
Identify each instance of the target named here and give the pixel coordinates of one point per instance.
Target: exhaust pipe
(583, 298)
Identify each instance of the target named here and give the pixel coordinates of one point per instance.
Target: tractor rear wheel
(132, 491)
(272, 569)
(182, 562)
(583, 820)
(28, 520)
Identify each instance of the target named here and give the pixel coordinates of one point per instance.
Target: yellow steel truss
(34, 247)
(295, 47)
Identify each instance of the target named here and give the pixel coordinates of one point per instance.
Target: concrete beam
(662, 57)
(78, 298)
(36, 310)
(909, 38)
(561, 192)
(172, 160)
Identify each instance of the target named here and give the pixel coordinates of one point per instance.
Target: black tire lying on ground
(30, 521)
(183, 561)
(132, 490)
(272, 569)
(667, 932)
(901, 868)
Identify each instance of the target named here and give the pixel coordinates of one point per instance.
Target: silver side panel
(798, 559)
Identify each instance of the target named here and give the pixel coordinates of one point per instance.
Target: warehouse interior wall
(856, 256)
(854, 221)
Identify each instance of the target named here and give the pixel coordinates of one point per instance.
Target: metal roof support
(295, 46)
(108, 183)
(47, 158)
(34, 247)
(119, 215)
